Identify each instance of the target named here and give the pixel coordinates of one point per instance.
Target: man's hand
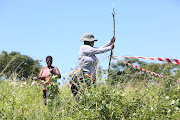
(112, 46)
(113, 39)
(51, 71)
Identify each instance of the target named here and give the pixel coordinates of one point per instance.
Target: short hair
(48, 57)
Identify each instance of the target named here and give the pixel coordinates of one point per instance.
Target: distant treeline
(121, 72)
(20, 65)
(25, 66)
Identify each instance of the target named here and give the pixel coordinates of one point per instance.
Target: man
(46, 73)
(34, 83)
(88, 61)
(23, 82)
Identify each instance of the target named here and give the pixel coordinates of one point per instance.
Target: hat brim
(88, 39)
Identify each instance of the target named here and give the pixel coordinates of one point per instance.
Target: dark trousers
(79, 82)
(45, 96)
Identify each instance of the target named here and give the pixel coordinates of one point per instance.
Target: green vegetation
(124, 73)
(52, 87)
(128, 94)
(104, 102)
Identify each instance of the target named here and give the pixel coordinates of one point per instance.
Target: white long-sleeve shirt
(87, 59)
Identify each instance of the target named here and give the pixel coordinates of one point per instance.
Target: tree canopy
(22, 65)
(121, 72)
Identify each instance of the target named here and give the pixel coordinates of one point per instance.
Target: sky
(38, 28)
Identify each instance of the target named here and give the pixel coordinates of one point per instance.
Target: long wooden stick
(113, 14)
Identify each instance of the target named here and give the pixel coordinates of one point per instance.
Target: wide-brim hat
(88, 37)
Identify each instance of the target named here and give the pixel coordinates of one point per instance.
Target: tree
(121, 72)
(22, 65)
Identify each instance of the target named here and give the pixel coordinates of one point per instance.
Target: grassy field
(125, 101)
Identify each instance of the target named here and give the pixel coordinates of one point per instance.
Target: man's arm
(91, 51)
(57, 72)
(41, 74)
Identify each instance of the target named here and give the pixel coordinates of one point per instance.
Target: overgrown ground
(137, 101)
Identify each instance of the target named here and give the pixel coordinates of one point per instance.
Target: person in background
(13, 82)
(88, 61)
(23, 82)
(46, 73)
(34, 83)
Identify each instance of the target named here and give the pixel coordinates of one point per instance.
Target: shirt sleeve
(91, 50)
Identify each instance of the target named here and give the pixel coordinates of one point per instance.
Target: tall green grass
(125, 101)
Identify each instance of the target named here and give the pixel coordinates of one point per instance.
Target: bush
(120, 101)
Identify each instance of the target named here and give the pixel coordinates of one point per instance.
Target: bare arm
(41, 76)
(57, 72)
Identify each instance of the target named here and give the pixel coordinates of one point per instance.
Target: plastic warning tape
(147, 71)
(175, 61)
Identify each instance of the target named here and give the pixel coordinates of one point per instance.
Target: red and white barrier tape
(175, 61)
(147, 71)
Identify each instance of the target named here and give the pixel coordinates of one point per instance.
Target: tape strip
(175, 61)
(147, 71)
